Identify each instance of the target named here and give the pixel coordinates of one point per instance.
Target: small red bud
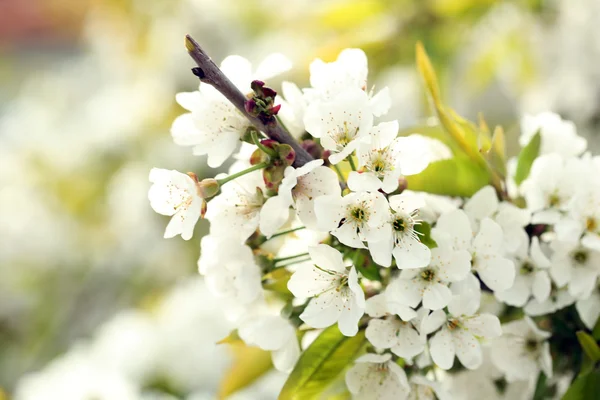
(275, 110)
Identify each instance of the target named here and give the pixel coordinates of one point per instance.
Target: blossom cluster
(342, 240)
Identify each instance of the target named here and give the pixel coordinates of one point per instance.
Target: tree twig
(211, 74)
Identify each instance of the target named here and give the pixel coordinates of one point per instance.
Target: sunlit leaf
(232, 338)
(526, 157)
(321, 364)
(457, 176)
(249, 364)
(277, 280)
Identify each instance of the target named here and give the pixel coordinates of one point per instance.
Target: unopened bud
(286, 154)
(203, 208)
(207, 188)
(258, 156)
(272, 176)
(402, 184)
(251, 107)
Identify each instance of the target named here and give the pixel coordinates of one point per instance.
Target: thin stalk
(351, 161)
(286, 232)
(241, 173)
(277, 260)
(265, 149)
(291, 263)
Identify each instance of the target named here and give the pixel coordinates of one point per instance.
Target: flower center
(399, 225)
(358, 214)
(527, 268)
(428, 275)
(453, 324)
(343, 135)
(553, 200)
(580, 257)
(591, 225)
(531, 345)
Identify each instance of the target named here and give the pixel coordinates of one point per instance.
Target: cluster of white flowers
(339, 240)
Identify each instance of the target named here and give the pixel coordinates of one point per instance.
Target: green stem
(286, 232)
(339, 172)
(351, 161)
(242, 173)
(291, 263)
(265, 149)
(276, 260)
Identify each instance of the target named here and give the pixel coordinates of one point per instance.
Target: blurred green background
(86, 102)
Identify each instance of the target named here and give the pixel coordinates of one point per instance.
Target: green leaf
(424, 228)
(364, 265)
(321, 363)
(249, 364)
(277, 280)
(596, 331)
(585, 387)
(457, 176)
(589, 346)
(526, 157)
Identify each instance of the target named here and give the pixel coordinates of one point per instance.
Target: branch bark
(211, 74)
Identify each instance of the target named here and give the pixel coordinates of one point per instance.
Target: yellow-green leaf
(249, 364)
(585, 387)
(232, 338)
(424, 228)
(589, 346)
(457, 176)
(526, 157)
(277, 280)
(321, 363)
(427, 73)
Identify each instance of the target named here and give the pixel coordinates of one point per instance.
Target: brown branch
(211, 74)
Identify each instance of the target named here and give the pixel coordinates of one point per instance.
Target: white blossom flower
(575, 266)
(454, 229)
(531, 276)
(293, 106)
(348, 71)
(422, 388)
(589, 309)
(376, 376)
(460, 330)
(386, 158)
(512, 220)
(354, 218)
(583, 218)
(403, 241)
(214, 126)
(335, 291)
(236, 211)
(430, 284)
(341, 124)
(390, 332)
(176, 194)
(522, 350)
(275, 334)
(550, 186)
(558, 136)
(299, 188)
(558, 299)
(230, 273)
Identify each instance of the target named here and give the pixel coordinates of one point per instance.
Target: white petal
(381, 252)
(409, 342)
(382, 333)
(327, 257)
(441, 348)
(273, 65)
(286, 357)
(351, 313)
(496, 272)
(433, 322)
(467, 348)
(489, 238)
(381, 102)
(329, 211)
(436, 296)
(589, 309)
(411, 254)
(363, 182)
(541, 286)
(483, 204)
(274, 213)
(455, 224)
(376, 306)
(484, 325)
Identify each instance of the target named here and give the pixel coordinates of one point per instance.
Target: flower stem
(241, 173)
(339, 172)
(276, 260)
(351, 161)
(291, 263)
(286, 232)
(270, 152)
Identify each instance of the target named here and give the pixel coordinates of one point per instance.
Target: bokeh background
(94, 303)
